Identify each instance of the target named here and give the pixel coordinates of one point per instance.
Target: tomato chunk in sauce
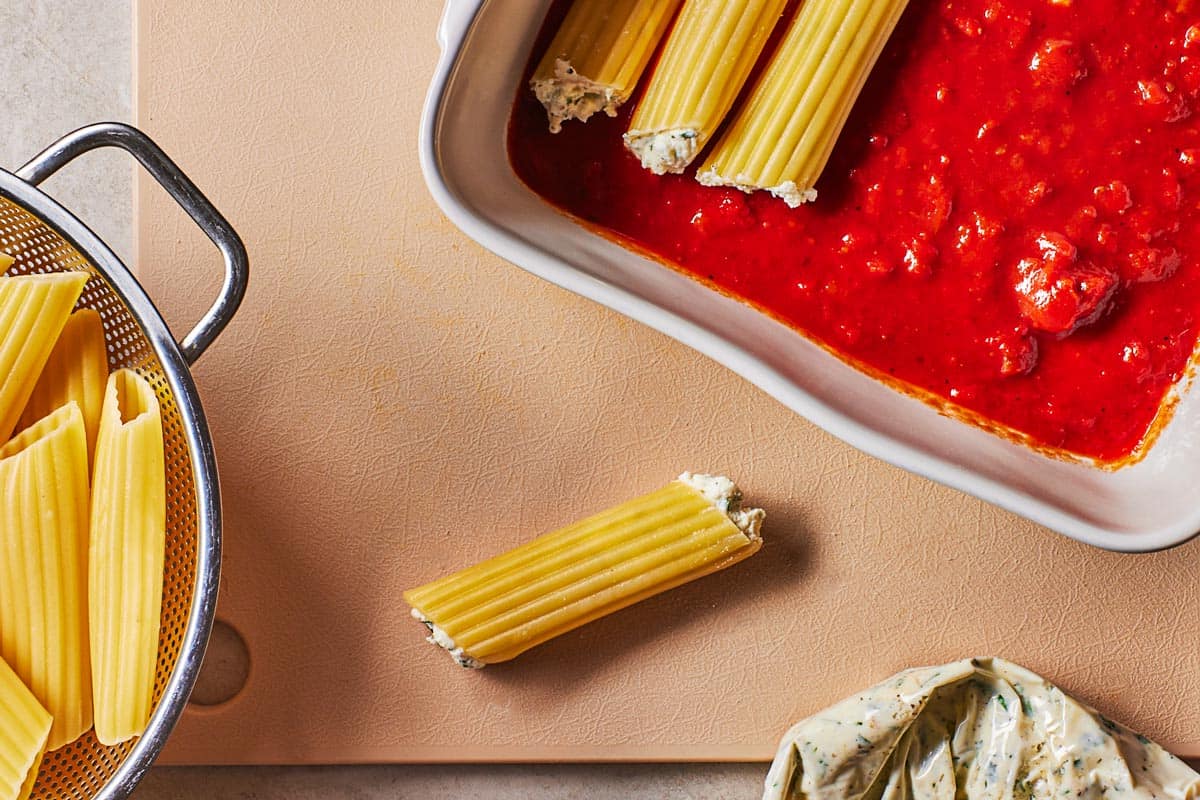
(1010, 222)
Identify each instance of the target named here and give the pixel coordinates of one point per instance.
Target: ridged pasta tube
(597, 56)
(76, 370)
(43, 570)
(501, 607)
(33, 311)
(126, 556)
(782, 138)
(24, 728)
(705, 63)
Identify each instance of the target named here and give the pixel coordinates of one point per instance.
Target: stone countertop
(69, 64)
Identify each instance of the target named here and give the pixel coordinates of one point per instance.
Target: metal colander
(44, 237)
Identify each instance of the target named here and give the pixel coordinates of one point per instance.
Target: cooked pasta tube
(706, 60)
(33, 311)
(597, 56)
(501, 607)
(783, 136)
(125, 565)
(43, 570)
(24, 727)
(76, 370)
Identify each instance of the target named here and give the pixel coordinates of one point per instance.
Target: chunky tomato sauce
(1010, 221)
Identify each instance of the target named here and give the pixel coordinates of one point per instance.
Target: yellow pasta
(43, 572)
(126, 556)
(24, 728)
(76, 370)
(705, 63)
(31, 779)
(33, 311)
(501, 607)
(783, 136)
(597, 56)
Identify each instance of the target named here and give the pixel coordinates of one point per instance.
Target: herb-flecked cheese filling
(979, 729)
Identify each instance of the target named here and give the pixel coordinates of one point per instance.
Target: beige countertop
(70, 63)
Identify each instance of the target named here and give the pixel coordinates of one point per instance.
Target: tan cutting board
(392, 402)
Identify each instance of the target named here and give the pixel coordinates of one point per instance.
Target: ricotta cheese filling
(787, 191)
(569, 95)
(443, 640)
(664, 151)
(977, 729)
(717, 489)
(726, 496)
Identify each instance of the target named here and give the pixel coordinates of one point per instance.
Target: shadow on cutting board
(769, 575)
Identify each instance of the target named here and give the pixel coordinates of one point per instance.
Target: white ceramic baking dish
(485, 44)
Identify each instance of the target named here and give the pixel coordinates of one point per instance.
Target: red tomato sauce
(1010, 221)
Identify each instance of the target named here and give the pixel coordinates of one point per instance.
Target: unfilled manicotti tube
(43, 570)
(76, 370)
(24, 728)
(33, 311)
(501, 607)
(128, 539)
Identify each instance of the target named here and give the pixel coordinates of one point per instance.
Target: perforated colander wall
(83, 767)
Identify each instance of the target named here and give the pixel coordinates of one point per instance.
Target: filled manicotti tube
(782, 137)
(705, 62)
(503, 606)
(598, 55)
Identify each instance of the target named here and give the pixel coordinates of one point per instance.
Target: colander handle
(184, 192)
